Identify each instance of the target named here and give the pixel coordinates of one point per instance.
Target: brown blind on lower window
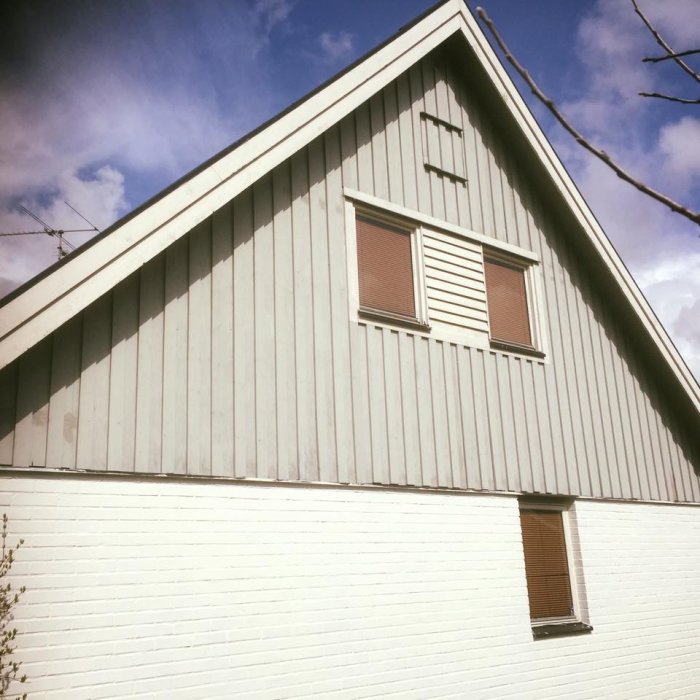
(546, 565)
(507, 302)
(385, 267)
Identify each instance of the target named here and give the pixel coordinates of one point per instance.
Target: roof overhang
(54, 298)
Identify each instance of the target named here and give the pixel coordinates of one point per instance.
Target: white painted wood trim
(54, 299)
(565, 185)
(439, 224)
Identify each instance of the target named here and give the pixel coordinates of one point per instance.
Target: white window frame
(533, 300)
(420, 297)
(397, 215)
(566, 507)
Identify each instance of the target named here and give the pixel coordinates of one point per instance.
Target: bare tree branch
(580, 139)
(659, 40)
(682, 100)
(658, 59)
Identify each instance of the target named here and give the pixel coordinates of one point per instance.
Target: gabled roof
(39, 307)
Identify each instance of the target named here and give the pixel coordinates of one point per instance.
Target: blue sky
(103, 104)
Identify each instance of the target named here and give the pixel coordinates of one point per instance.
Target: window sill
(515, 348)
(560, 629)
(393, 319)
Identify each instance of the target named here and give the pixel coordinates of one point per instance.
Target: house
(365, 406)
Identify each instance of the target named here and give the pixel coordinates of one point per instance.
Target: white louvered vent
(454, 276)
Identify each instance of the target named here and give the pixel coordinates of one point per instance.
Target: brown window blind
(546, 565)
(507, 302)
(385, 267)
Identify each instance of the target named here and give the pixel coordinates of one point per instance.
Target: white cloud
(679, 145)
(99, 198)
(336, 46)
(660, 148)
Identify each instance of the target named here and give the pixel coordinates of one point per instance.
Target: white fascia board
(53, 300)
(563, 182)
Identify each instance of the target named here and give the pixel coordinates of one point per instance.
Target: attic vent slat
(443, 149)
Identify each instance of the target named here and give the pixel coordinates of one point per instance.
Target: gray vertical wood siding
(233, 354)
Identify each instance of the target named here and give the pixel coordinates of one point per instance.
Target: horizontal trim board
(438, 224)
(101, 475)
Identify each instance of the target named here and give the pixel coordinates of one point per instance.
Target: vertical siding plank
(222, 424)
(650, 427)
(450, 186)
(647, 466)
(409, 398)
(395, 171)
(626, 466)
(176, 346)
(608, 458)
(417, 106)
(440, 425)
(587, 382)
(377, 406)
(487, 468)
(394, 404)
(515, 462)
(65, 393)
(323, 343)
(94, 385)
(363, 135)
(33, 385)
(408, 162)
(149, 387)
(456, 118)
(666, 463)
(483, 176)
(470, 141)
(285, 357)
(307, 446)
(265, 369)
(338, 280)
(638, 472)
(348, 155)
(199, 379)
(426, 421)
(379, 152)
(436, 182)
(538, 428)
(495, 426)
(454, 416)
(361, 404)
(470, 431)
(244, 311)
(522, 402)
(122, 376)
(8, 409)
(543, 457)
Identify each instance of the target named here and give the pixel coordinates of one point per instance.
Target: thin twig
(682, 100)
(602, 155)
(670, 56)
(660, 41)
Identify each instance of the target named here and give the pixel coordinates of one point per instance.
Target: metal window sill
(560, 629)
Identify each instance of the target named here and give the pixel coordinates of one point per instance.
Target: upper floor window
(386, 267)
(509, 321)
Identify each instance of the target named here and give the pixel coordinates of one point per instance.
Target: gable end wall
(233, 354)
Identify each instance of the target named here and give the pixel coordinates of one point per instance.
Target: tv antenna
(64, 246)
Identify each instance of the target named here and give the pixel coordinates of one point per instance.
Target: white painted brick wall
(160, 589)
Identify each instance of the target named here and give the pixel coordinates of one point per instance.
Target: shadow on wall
(145, 326)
